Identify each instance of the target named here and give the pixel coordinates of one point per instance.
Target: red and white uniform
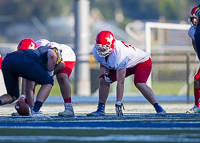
(41, 42)
(68, 55)
(123, 55)
(191, 32)
(69, 58)
(127, 56)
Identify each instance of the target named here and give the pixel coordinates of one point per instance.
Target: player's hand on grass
(59, 67)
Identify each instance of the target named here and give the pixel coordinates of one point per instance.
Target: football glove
(197, 11)
(107, 78)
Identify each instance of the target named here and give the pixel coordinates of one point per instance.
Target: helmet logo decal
(109, 39)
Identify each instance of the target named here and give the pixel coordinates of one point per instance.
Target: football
(22, 108)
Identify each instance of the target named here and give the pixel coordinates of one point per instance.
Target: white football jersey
(123, 55)
(41, 42)
(191, 32)
(67, 53)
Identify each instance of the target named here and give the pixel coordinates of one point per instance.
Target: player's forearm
(52, 58)
(59, 68)
(194, 47)
(50, 64)
(120, 91)
(104, 69)
(23, 86)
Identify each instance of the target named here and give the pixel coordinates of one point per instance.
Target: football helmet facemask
(26, 44)
(192, 15)
(105, 42)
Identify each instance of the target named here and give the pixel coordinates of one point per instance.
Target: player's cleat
(96, 113)
(162, 113)
(159, 109)
(15, 114)
(38, 114)
(118, 108)
(69, 111)
(193, 110)
(100, 111)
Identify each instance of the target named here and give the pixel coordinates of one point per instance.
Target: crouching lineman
(68, 59)
(33, 66)
(119, 60)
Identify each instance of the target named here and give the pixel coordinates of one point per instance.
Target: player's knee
(61, 78)
(140, 85)
(103, 82)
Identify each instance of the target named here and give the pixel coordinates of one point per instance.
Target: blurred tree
(168, 9)
(140, 9)
(23, 10)
(146, 9)
(107, 7)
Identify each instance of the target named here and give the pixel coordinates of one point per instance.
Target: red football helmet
(192, 15)
(105, 42)
(26, 44)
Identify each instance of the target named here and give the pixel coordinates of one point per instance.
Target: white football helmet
(58, 48)
(54, 44)
(41, 42)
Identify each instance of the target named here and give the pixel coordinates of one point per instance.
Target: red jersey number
(127, 45)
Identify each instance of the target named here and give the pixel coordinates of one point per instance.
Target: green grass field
(159, 88)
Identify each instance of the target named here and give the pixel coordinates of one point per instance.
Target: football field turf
(139, 124)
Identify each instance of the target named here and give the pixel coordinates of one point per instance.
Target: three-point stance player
(119, 60)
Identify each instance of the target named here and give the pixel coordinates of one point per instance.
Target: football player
(119, 60)
(193, 20)
(25, 44)
(197, 36)
(69, 59)
(33, 66)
